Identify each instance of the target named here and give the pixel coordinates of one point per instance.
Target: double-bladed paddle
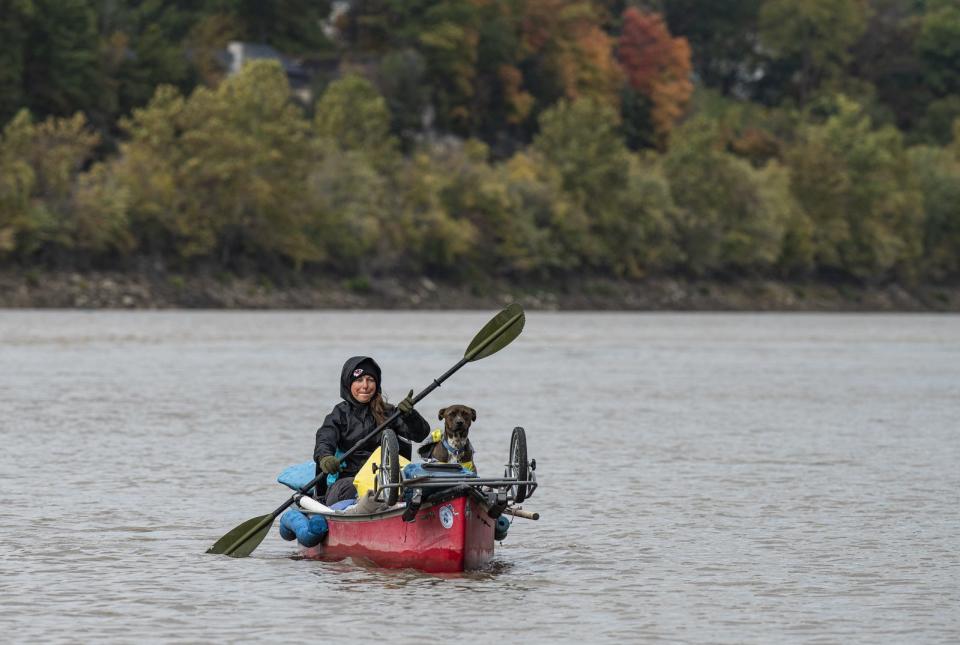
(495, 335)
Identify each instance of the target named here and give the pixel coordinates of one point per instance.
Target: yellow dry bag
(363, 480)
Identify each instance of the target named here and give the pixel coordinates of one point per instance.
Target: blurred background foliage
(460, 138)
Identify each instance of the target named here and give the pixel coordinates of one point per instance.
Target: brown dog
(453, 444)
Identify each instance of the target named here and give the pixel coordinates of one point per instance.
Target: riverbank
(114, 290)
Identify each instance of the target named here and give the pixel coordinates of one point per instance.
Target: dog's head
(456, 424)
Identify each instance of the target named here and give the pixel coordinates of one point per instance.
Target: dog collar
(450, 448)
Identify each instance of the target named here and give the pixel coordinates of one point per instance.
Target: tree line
(517, 138)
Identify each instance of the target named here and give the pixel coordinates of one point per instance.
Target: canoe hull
(444, 537)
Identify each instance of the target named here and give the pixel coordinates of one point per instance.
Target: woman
(363, 408)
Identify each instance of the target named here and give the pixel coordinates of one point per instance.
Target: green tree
(471, 50)
(935, 126)
(886, 58)
(141, 48)
(722, 37)
(731, 217)
(525, 209)
(148, 167)
(855, 183)
(99, 223)
(248, 151)
(618, 218)
(401, 79)
(15, 17)
(956, 138)
(352, 114)
(291, 26)
(60, 60)
(40, 164)
(938, 44)
(749, 130)
(938, 49)
(581, 141)
(425, 234)
(640, 237)
(17, 180)
(450, 40)
(348, 200)
(938, 175)
(811, 40)
(348, 189)
(222, 174)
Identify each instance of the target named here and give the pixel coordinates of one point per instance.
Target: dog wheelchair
(422, 482)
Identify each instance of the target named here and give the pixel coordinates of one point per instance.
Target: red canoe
(450, 533)
(448, 522)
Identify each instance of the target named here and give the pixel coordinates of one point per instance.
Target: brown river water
(704, 478)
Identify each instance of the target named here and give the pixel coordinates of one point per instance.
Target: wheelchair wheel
(517, 466)
(389, 470)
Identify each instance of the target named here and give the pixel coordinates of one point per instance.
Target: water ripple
(705, 478)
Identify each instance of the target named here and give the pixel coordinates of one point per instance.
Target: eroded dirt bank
(110, 290)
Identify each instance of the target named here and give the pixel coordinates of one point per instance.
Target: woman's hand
(406, 406)
(330, 464)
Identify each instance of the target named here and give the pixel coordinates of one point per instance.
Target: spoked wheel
(389, 470)
(518, 463)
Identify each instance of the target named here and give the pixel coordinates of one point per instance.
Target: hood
(346, 375)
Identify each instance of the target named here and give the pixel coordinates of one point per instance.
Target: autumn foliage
(657, 66)
(465, 138)
(571, 46)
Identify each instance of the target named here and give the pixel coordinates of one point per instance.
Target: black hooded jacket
(350, 421)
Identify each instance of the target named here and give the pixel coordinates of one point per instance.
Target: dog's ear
(442, 411)
(473, 413)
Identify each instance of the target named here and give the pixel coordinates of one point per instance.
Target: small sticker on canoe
(446, 515)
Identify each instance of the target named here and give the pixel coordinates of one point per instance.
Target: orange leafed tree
(568, 37)
(657, 66)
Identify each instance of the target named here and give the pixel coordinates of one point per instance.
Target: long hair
(378, 405)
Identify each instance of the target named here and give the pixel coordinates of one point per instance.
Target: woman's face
(363, 388)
